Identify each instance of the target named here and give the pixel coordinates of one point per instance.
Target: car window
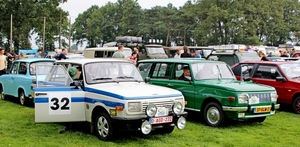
(211, 71)
(162, 70)
(99, 54)
(267, 72)
(109, 54)
(227, 59)
(178, 70)
(14, 69)
(144, 69)
(23, 68)
(42, 69)
(237, 69)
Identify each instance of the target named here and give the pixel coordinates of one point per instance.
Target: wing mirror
(147, 79)
(246, 78)
(280, 79)
(76, 84)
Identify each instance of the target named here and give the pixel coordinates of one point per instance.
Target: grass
(17, 128)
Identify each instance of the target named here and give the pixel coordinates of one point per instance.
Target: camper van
(104, 52)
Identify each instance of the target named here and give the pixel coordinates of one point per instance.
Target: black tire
(257, 119)
(165, 130)
(2, 93)
(103, 127)
(214, 115)
(22, 98)
(296, 105)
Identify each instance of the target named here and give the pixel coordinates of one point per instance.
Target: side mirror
(281, 79)
(147, 79)
(76, 84)
(247, 78)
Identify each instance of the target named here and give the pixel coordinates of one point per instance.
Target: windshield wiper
(101, 79)
(124, 77)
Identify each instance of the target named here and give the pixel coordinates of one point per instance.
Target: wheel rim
(213, 115)
(103, 126)
(297, 106)
(22, 98)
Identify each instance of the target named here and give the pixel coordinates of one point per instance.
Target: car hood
(132, 90)
(235, 85)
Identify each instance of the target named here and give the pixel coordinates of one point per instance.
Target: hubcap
(213, 115)
(22, 98)
(297, 106)
(102, 126)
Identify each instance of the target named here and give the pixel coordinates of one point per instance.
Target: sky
(75, 7)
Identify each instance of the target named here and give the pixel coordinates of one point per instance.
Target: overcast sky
(75, 7)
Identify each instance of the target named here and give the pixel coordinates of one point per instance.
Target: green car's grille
(263, 97)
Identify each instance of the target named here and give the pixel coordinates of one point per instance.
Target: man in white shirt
(177, 54)
(3, 62)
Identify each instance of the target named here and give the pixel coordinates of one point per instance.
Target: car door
(187, 88)
(57, 101)
(266, 75)
(245, 71)
(10, 83)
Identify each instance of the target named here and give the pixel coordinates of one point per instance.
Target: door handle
(170, 85)
(37, 94)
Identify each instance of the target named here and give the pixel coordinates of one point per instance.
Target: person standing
(186, 53)
(3, 62)
(38, 54)
(62, 55)
(197, 54)
(137, 54)
(177, 54)
(119, 53)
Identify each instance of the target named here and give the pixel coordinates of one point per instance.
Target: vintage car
(108, 93)
(284, 76)
(212, 89)
(18, 82)
(282, 59)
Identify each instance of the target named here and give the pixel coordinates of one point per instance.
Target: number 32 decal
(59, 103)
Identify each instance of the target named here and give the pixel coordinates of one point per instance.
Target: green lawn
(17, 129)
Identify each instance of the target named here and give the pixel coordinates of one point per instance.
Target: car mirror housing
(281, 79)
(147, 79)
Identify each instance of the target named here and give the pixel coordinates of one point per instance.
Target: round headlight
(177, 108)
(181, 122)
(146, 127)
(151, 110)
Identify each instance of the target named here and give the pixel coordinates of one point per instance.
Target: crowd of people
(120, 54)
(186, 53)
(285, 54)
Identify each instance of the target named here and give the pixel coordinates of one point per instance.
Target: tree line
(200, 22)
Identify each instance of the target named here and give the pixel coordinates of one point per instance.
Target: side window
(267, 72)
(99, 54)
(144, 69)
(237, 69)
(227, 59)
(178, 71)
(162, 70)
(23, 68)
(109, 54)
(14, 69)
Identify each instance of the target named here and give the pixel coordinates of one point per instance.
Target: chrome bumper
(241, 109)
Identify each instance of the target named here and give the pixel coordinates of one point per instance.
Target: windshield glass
(250, 57)
(38, 66)
(211, 71)
(111, 72)
(155, 50)
(291, 70)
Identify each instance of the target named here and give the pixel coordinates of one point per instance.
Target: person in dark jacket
(186, 75)
(186, 53)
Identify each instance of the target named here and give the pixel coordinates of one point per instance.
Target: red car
(283, 76)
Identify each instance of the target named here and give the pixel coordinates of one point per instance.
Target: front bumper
(134, 124)
(243, 109)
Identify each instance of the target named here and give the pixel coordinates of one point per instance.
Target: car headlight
(177, 108)
(151, 110)
(243, 98)
(274, 97)
(134, 107)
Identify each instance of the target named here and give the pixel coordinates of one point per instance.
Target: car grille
(263, 97)
(166, 104)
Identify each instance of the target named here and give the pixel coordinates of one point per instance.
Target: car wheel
(296, 105)
(257, 119)
(103, 127)
(2, 93)
(22, 98)
(165, 130)
(214, 115)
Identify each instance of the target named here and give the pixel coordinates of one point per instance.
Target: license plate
(160, 120)
(262, 109)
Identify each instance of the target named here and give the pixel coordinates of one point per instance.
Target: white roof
(105, 48)
(89, 60)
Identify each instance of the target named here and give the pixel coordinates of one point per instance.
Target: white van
(104, 52)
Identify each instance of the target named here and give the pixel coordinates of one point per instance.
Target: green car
(210, 87)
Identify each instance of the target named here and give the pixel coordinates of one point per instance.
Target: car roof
(182, 60)
(105, 48)
(34, 60)
(89, 60)
(270, 62)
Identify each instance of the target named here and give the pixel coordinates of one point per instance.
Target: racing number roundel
(59, 103)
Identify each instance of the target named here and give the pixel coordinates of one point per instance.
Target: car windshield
(291, 70)
(111, 72)
(156, 50)
(250, 57)
(211, 71)
(43, 70)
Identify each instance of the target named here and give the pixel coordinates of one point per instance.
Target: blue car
(20, 80)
